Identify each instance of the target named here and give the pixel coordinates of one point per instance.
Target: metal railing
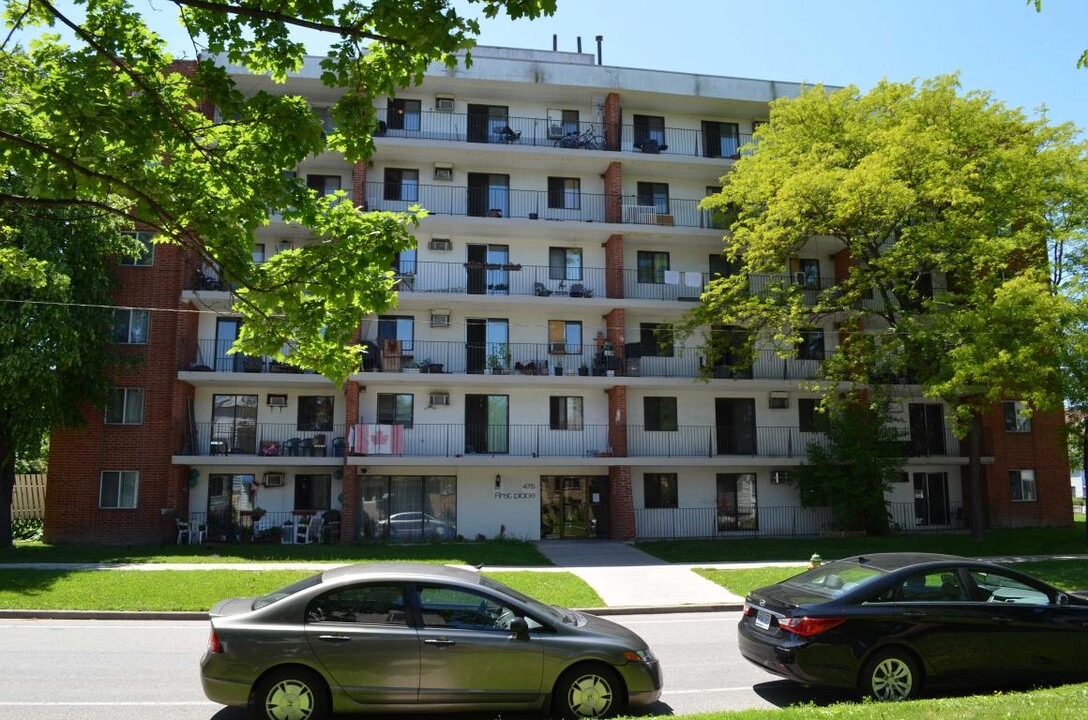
(712, 440)
(682, 141)
(782, 521)
(265, 439)
(459, 439)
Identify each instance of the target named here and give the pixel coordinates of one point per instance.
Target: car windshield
(835, 578)
(276, 595)
(549, 612)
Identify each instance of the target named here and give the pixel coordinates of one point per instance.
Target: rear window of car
(835, 578)
(276, 595)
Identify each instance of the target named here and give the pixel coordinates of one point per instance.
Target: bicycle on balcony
(585, 140)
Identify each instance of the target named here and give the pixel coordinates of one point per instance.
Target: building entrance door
(573, 506)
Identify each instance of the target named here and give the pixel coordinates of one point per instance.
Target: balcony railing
(265, 439)
(459, 439)
(504, 202)
(782, 521)
(542, 132)
(711, 441)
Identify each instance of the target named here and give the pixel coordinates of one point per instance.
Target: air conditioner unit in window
(443, 174)
(273, 479)
(440, 398)
(443, 103)
(440, 320)
(276, 401)
(780, 477)
(556, 131)
(557, 348)
(778, 400)
(442, 244)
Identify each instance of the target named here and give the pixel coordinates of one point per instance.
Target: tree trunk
(1084, 469)
(978, 518)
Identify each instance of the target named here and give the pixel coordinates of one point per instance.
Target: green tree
(55, 285)
(853, 468)
(103, 120)
(938, 207)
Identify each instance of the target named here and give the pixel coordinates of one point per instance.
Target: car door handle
(335, 638)
(913, 613)
(441, 642)
(1000, 620)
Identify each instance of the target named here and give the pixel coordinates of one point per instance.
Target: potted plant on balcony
(499, 360)
(412, 367)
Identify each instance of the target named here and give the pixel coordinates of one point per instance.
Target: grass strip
(198, 590)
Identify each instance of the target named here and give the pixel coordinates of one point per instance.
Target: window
(258, 253)
(659, 414)
(130, 326)
(360, 604)
(564, 193)
(656, 194)
(999, 587)
(396, 327)
(566, 413)
(659, 490)
(649, 127)
(565, 263)
(564, 337)
(313, 492)
(652, 266)
(1017, 418)
(146, 256)
(719, 267)
(315, 412)
(808, 419)
(806, 272)
(401, 184)
(936, 586)
(721, 139)
(323, 184)
(811, 344)
(395, 409)
(736, 501)
(656, 339)
(1022, 485)
(117, 489)
(403, 115)
(405, 262)
(457, 609)
(125, 406)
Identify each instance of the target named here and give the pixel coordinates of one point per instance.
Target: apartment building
(526, 384)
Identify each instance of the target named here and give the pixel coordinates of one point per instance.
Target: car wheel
(291, 694)
(589, 691)
(892, 675)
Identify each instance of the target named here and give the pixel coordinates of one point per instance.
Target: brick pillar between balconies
(621, 503)
(358, 184)
(615, 323)
(843, 262)
(611, 118)
(617, 420)
(613, 266)
(613, 193)
(348, 519)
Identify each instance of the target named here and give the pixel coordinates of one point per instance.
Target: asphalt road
(94, 670)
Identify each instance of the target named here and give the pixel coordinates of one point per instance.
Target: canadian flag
(371, 439)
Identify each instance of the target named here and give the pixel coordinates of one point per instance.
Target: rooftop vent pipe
(599, 38)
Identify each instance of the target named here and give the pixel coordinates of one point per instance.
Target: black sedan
(890, 624)
(400, 637)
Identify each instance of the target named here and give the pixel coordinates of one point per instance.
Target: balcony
(504, 202)
(542, 132)
(267, 440)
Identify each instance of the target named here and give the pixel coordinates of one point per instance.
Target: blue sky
(1026, 59)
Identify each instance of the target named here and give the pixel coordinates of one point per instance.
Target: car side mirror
(1061, 600)
(520, 628)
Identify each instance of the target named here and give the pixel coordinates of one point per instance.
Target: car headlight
(643, 656)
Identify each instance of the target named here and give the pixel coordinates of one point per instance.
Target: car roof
(400, 571)
(890, 562)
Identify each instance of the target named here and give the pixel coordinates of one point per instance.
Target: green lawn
(198, 590)
(1059, 703)
(1044, 541)
(1063, 574)
(507, 553)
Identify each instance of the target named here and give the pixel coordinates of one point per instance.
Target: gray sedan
(408, 637)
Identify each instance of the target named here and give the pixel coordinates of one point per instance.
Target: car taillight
(748, 610)
(808, 626)
(214, 646)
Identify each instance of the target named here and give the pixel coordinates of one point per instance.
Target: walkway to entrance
(624, 576)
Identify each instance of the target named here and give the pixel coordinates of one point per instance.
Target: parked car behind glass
(390, 637)
(891, 624)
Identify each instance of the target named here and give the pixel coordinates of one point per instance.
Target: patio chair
(308, 530)
(320, 445)
(580, 290)
(291, 447)
(306, 447)
(540, 290)
(183, 531)
(338, 446)
(192, 532)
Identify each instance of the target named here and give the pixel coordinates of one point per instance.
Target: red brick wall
(358, 184)
(613, 266)
(843, 263)
(348, 519)
(78, 456)
(613, 193)
(611, 118)
(617, 420)
(621, 503)
(1042, 450)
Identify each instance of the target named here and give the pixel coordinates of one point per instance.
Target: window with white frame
(146, 256)
(401, 184)
(564, 337)
(395, 409)
(1022, 485)
(1017, 416)
(565, 263)
(130, 326)
(564, 193)
(117, 489)
(125, 406)
(565, 413)
(323, 184)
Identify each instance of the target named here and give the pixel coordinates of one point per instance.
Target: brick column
(611, 116)
(843, 263)
(613, 266)
(348, 520)
(615, 324)
(613, 193)
(617, 420)
(358, 185)
(621, 503)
